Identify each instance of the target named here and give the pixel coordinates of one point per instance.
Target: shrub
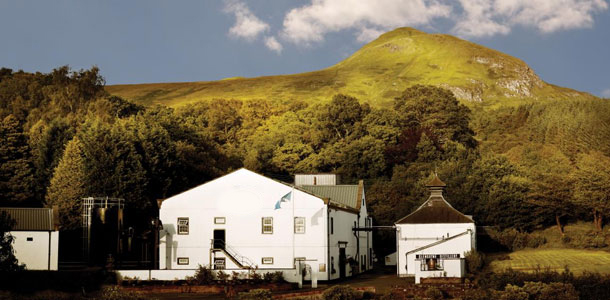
(202, 276)
(474, 261)
(116, 293)
(256, 294)
(339, 292)
(434, 293)
(254, 276)
(222, 276)
(278, 277)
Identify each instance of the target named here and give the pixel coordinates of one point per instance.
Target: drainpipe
(328, 266)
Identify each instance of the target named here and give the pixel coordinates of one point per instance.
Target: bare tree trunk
(595, 219)
(600, 222)
(558, 220)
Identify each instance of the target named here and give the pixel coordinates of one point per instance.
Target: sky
(566, 42)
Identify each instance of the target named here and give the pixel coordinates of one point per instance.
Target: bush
(256, 294)
(590, 240)
(339, 292)
(116, 293)
(202, 276)
(512, 239)
(222, 276)
(434, 293)
(474, 261)
(278, 277)
(254, 276)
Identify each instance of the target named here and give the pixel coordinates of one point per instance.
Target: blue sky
(566, 42)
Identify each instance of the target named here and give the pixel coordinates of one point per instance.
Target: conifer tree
(68, 185)
(16, 172)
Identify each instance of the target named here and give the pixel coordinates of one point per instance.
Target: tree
(343, 114)
(8, 261)
(592, 188)
(437, 110)
(68, 185)
(16, 171)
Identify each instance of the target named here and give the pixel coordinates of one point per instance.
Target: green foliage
(593, 184)
(434, 293)
(203, 276)
(339, 292)
(512, 239)
(8, 261)
(475, 261)
(68, 186)
(256, 294)
(115, 292)
(16, 170)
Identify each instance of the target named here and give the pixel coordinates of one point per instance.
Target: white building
(432, 241)
(36, 239)
(243, 219)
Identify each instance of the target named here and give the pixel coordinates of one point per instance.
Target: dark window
(431, 264)
(29, 239)
(183, 225)
(332, 227)
(183, 260)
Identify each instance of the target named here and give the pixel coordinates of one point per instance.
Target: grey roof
(435, 210)
(342, 194)
(30, 219)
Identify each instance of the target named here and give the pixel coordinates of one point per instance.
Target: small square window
(267, 225)
(183, 260)
(267, 260)
(219, 220)
(183, 225)
(220, 263)
(299, 225)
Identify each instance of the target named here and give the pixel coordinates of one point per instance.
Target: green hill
(377, 73)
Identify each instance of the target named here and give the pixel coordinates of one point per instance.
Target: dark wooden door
(342, 262)
(219, 239)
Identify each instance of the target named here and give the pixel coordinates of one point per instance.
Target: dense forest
(63, 137)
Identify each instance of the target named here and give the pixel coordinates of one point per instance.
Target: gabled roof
(30, 219)
(435, 210)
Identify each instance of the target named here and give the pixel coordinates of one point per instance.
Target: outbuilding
(433, 240)
(36, 238)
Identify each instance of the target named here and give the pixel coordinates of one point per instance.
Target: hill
(377, 73)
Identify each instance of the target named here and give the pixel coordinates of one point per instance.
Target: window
(30, 239)
(267, 260)
(219, 220)
(431, 264)
(220, 263)
(183, 225)
(332, 265)
(299, 225)
(332, 227)
(322, 268)
(267, 225)
(183, 260)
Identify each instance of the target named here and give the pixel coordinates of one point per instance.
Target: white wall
(243, 198)
(413, 236)
(35, 253)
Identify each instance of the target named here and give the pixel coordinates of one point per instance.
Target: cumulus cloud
(247, 25)
(606, 93)
(487, 18)
(273, 45)
(310, 23)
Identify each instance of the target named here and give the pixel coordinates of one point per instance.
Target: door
(342, 262)
(219, 239)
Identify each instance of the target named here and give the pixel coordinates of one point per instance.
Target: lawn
(577, 260)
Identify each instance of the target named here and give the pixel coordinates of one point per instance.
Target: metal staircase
(240, 260)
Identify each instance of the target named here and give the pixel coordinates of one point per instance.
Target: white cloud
(247, 25)
(310, 23)
(273, 45)
(488, 18)
(606, 93)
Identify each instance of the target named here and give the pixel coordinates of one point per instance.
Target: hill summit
(377, 73)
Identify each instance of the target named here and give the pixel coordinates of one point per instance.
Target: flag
(285, 198)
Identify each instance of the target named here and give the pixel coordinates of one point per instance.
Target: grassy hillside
(376, 74)
(577, 260)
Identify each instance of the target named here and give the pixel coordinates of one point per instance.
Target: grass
(376, 74)
(577, 260)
